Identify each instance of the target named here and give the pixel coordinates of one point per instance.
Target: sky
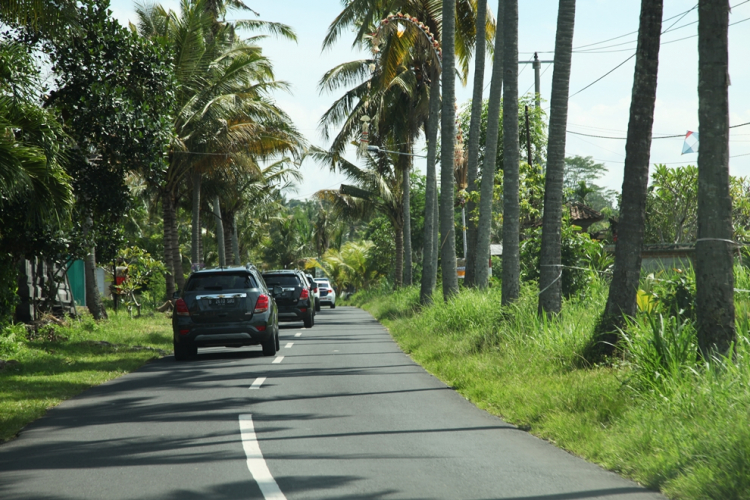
(600, 110)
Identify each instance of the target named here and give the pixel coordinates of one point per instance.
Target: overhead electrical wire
(657, 137)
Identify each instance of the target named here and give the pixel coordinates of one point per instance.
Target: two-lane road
(341, 412)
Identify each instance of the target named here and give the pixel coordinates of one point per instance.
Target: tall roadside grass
(657, 414)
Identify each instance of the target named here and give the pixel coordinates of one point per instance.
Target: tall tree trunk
(484, 229)
(511, 211)
(714, 274)
(195, 254)
(429, 269)
(399, 271)
(219, 233)
(447, 141)
(235, 242)
(93, 299)
(406, 180)
(435, 236)
(550, 271)
(474, 126)
(168, 220)
(630, 229)
(179, 275)
(226, 222)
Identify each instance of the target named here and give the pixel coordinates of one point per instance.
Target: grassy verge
(45, 367)
(676, 426)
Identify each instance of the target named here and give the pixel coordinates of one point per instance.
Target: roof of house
(584, 213)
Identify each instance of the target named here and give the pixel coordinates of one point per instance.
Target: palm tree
(550, 297)
(621, 301)
(222, 104)
(481, 273)
(714, 275)
(447, 142)
(511, 209)
(377, 189)
(473, 149)
(396, 95)
(365, 16)
(429, 253)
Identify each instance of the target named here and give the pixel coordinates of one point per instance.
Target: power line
(602, 77)
(575, 49)
(657, 137)
(662, 43)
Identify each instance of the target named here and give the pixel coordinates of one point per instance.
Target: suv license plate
(221, 302)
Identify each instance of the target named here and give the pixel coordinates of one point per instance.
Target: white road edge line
(298, 334)
(288, 345)
(256, 464)
(277, 360)
(258, 382)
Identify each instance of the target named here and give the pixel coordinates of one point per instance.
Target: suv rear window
(220, 281)
(281, 279)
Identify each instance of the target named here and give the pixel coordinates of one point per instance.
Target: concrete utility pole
(537, 65)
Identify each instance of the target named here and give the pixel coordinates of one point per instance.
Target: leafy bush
(11, 340)
(8, 287)
(578, 251)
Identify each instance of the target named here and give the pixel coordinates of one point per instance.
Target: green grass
(685, 431)
(66, 360)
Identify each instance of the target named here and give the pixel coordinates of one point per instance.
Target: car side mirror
(176, 295)
(277, 290)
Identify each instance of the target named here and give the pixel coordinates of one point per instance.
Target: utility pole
(537, 65)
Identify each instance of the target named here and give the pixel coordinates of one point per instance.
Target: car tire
(308, 321)
(181, 352)
(333, 305)
(278, 343)
(317, 304)
(269, 346)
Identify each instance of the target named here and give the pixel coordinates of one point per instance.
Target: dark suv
(296, 301)
(228, 307)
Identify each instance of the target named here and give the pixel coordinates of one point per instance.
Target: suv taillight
(261, 305)
(304, 295)
(181, 308)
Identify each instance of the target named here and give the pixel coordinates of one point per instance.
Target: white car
(326, 291)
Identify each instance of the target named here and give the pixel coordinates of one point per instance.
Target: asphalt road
(344, 414)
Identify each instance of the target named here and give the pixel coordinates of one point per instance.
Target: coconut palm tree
(473, 147)
(222, 104)
(481, 272)
(447, 142)
(621, 302)
(550, 297)
(511, 209)
(376, 188)
(714, 275)
(394, 98)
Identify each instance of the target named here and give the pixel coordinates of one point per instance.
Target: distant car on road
(295, 302)
(227, 307)
(327, 293)
(316, 292)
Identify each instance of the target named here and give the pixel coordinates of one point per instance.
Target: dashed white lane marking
(256, 464)
(277, 360)
(288, 345)
(258, 382)
(298, 334)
